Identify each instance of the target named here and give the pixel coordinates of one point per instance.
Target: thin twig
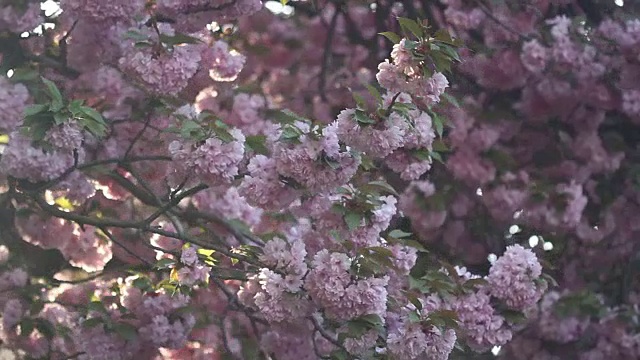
(131, 159)
(324, 332)
(113, 239)
(315, 346)
(63, 43)
(488, 13)
(225, 340)
(229, 227)
(393, 101)
(327, 53)
(137, 137)
(175, 201)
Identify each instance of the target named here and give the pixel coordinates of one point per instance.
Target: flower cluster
(214, 162)
(513, 276)
(24, 160)
(331, 286)
(315, 164)
(278, 294)
(405, 74)
(13, 100)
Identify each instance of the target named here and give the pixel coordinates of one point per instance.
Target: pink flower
(534, 56)
(189, 256)
(512, 278)
(13, 100)
(224, 64)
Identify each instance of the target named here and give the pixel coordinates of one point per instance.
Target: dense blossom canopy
(328, 179)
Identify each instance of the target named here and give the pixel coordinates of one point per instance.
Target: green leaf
(362, 118)
(451, 99)
(514, 317)
(142, 44)
(550, 279)
(142, 283)
(412, 26)
(26, 326)
(453, 273)
(223, 134)
(414, 317)
(437, 157)
(165, 263)
(257, 143)
(92, 121)
(24, 74)
(403, 108)
(92, 322)
(135, 35)
(54, 94)
(188, 128)
(379, 250)
(98, 306)
(443, 35)
(357, 328)
(410, 45)
(340, 355)
(421, 154)
(395, 38)
(291, 133)
(416, 245)
(92, 113)
(501, 159)
(417, 284)
(38, 130)
(375, 93)
(125, 330)
(250, 348)
(282, 116)
(444, 318)
(235, 274)
(206, 252)
(372, 319)
(399, 234)
(35, 109)
(438, 123)
(36, 307)
(178, 39)
(379, 186)
(413, 299)
(335, 165)
(360, 102)
(441, 61)
(439, 145)
(353, 220)
(96, 129)
(451, 53)
(380, 255)
(75, 107)
(45, 327)
(59, 118)
(473, 283)
(240, 226)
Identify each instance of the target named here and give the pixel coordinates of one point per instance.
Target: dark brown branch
(54, 64)
(490, 15)
(113, 240)
(174, 202)
(137, 137)
(327, 53)
(324, 333)
(130, 159)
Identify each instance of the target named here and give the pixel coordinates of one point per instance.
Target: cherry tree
(329, 179)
